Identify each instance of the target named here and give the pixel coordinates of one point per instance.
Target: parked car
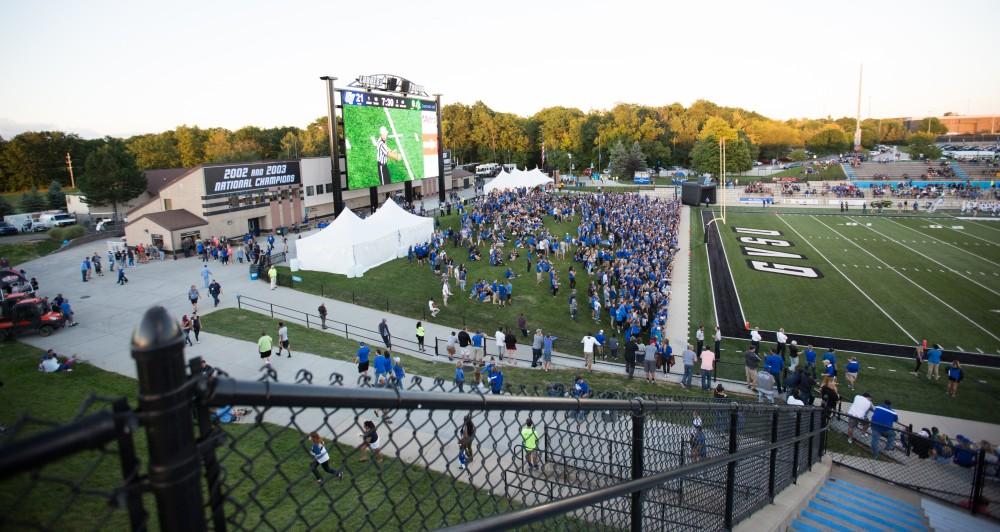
(56, 220)
(7, 229)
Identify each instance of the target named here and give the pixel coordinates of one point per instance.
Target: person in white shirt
(782, 339)
(700, 337)
(283, 339)
(858, 414)
(588, 350)
(445, 292)
(433, 308)
(501, 339)
(755, 339)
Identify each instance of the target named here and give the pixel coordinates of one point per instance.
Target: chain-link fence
(318, 451)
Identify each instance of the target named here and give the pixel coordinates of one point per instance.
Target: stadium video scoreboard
(388, 139)
(381, 100)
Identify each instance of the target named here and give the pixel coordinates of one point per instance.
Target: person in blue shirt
(600, 343)
(934, 362)
(496, 380)
(581, 390)
(380, 366)
(829, 355)
(361, 357)
(851, 371)
(810, 354)
(397, 371)
(883, 418)
(774, 364)
(459, 376)
(478, 347)
(955, 376)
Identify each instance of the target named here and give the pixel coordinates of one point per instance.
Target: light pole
(338, 197)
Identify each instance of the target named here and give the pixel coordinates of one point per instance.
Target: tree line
(663, 136)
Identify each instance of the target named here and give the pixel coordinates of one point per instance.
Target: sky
(121, 68)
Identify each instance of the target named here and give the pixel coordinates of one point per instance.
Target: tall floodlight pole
(857, 125)
(440, 150)
(338, 196)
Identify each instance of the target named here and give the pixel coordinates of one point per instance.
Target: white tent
(351, 246)
(517, 179)
(331, 249)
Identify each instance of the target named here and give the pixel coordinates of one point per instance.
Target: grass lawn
(25, 251)
(246, 325)
(404, 288)
(834, 311)
(289, 495)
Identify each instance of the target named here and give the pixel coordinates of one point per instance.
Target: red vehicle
(23, 313)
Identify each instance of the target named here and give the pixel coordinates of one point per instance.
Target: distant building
(962, 125)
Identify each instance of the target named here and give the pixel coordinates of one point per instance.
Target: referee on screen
(382, 156)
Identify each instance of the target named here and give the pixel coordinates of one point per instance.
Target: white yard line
(990, 242)
(729, 266)
(932, 259)
(395, 135)
(984, 329)
(971, 221)
(858, 288)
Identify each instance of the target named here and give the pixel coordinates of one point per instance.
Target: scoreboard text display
(388, 139)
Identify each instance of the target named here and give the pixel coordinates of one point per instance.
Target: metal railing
(237, 454)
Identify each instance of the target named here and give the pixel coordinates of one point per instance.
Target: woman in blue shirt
(851, 371)
(955, 376)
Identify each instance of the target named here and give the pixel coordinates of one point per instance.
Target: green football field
(894, 279)
(361, 131)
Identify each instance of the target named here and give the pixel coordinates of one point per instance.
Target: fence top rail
(227, 391)
(543, 511)
(86, 433)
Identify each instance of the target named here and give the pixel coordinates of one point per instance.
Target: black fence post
(271, 305)
(158, 350)
(774, 456)
(638, 429)
(978, 479)
(239, 303)
(130, 464)
(795, 454)
(213, 473)
(809, 458)
(307, 320)
(909, 438)
(731, 466)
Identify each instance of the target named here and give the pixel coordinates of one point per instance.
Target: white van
(488, 170)
(56, 220)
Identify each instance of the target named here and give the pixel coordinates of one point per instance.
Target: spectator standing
(264, 344)
(459, 376)
(793, 355)
(206, 275)
(361, 357)
(690, 357)
(774, 365)
(283, 343)
(630, 356)
(495, 379)
(193, 296)
(810, 354)
(918, 358)
(67, 312)
(420, 339)
(782, 341)
(707, 367)
(699, 336)
(755, 339)
(464, 341)
(955, 375)
(84, 268)
(649, 361)
(322, 315)
(933, 362)
(851, 371)
(765, 386)
(883, 417)
(829, 398)
(613, 346)
(321, 458)
(537, 342)
(196, 327)
(858, 414)
(186, 329)
(478, 347)
(522, 323)
(530, 440)
(272, 275)
(717, 339)
(547, 352)
(751, 364)
(589, 342)
(215, 290)
(501, 341)
(510, 339)
(383, 331)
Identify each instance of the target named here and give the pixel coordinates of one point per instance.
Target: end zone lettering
(247, 177)
(772, 267)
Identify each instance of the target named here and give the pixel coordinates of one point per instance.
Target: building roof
(459, 173)
(174, 219)
(158, 178)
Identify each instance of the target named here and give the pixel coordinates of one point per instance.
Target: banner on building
(237, 178)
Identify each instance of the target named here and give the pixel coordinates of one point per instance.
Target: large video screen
(388, 139)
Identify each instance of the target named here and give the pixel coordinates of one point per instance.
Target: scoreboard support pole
(441, 194)
(338, 195)
(373, 198)
(408, 191)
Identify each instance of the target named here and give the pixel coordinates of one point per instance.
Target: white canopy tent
(351, 246)
(517, 179)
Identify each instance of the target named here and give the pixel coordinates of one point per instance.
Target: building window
(234, 201)
(157, 240)
(309, 190)
(329, 188)
(168, 204)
